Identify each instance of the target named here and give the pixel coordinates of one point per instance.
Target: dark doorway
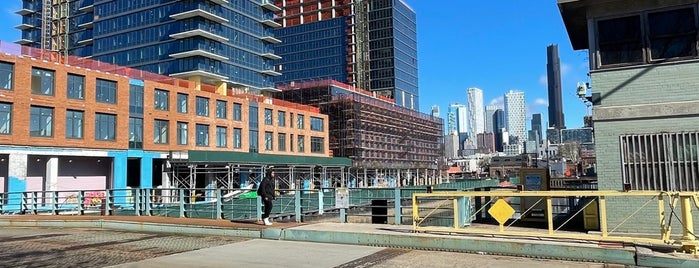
(133, 173)
(158, 165)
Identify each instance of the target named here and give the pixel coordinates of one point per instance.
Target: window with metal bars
(661, 161)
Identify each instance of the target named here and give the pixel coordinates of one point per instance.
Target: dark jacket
(266, 188)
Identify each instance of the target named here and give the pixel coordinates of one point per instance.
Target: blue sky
(493, 45)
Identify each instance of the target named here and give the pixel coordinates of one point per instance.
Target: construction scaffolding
(381, 138)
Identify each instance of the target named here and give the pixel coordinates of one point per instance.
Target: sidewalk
(392, 236)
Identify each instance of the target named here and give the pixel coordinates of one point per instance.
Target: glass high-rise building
(379, 37)
(217, 42)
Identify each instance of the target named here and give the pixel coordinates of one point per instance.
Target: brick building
(91, 125)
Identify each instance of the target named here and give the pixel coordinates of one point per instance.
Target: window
(317, 144)
(135, 133)
(76, 87)
(672, 33)
(660, 162)
(107, 91)
(648, 36)
(5, 118)
(202, 106)
(300, 144)
(268, 117)
(221, 107)
(620, 40)
(202, 135)
(42, 81)
(281, 142)
(41, 122)
(74, 124)
(160, 131)
(162, 100)
(269, 141)
(182, 100)
(6, 71)
(237, 138)
(299, 121)
(135, 99)
(281, 118)
(237, 111)
(105, 126)
(254, 145)
(316, 123)
(182, 133)
(252, 122)
(221, 137)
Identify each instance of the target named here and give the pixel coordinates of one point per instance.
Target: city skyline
(510, 53)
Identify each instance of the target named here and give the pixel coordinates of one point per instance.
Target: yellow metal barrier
(435, 205)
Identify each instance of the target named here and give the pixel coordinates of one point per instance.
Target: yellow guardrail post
(549, 213)
(456, 214)
(689, 243)
(664, 230)
(603, 215)
(416, 214)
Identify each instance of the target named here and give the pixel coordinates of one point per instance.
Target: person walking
(266, 192)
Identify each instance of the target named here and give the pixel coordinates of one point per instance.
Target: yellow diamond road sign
(501, 211)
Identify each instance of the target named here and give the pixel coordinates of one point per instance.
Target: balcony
(271, 56)
(199, 12)
(271, 23)
(87, 25)
(271, 73)
(220, 2)
(86, 5)
(24, 26)
(199, 52)
(199, 32)
(87, 41)
(268, 4)
(24, 41)
(270, 39)
(24, 11)
(202, 73)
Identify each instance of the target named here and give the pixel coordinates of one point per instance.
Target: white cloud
(536, 106)
(499, 102)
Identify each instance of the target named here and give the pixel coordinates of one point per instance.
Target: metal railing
(365, 204)
(508, 207)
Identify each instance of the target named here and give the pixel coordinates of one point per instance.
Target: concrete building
(77, 127)
(476, 120)
(451, 145)
(489, 113)
(643, 95)
(486, 143)
(515, 114)
(435, 111)
(221, 43)
(367, 44)
(553, 74)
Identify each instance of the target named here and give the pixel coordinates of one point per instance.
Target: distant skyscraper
(435, 110)
(458, 118)
(536, 127)
(515, 114)
(476, 120)
(499, 128)
(489, 112)
(553, 73)
(368, 44)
